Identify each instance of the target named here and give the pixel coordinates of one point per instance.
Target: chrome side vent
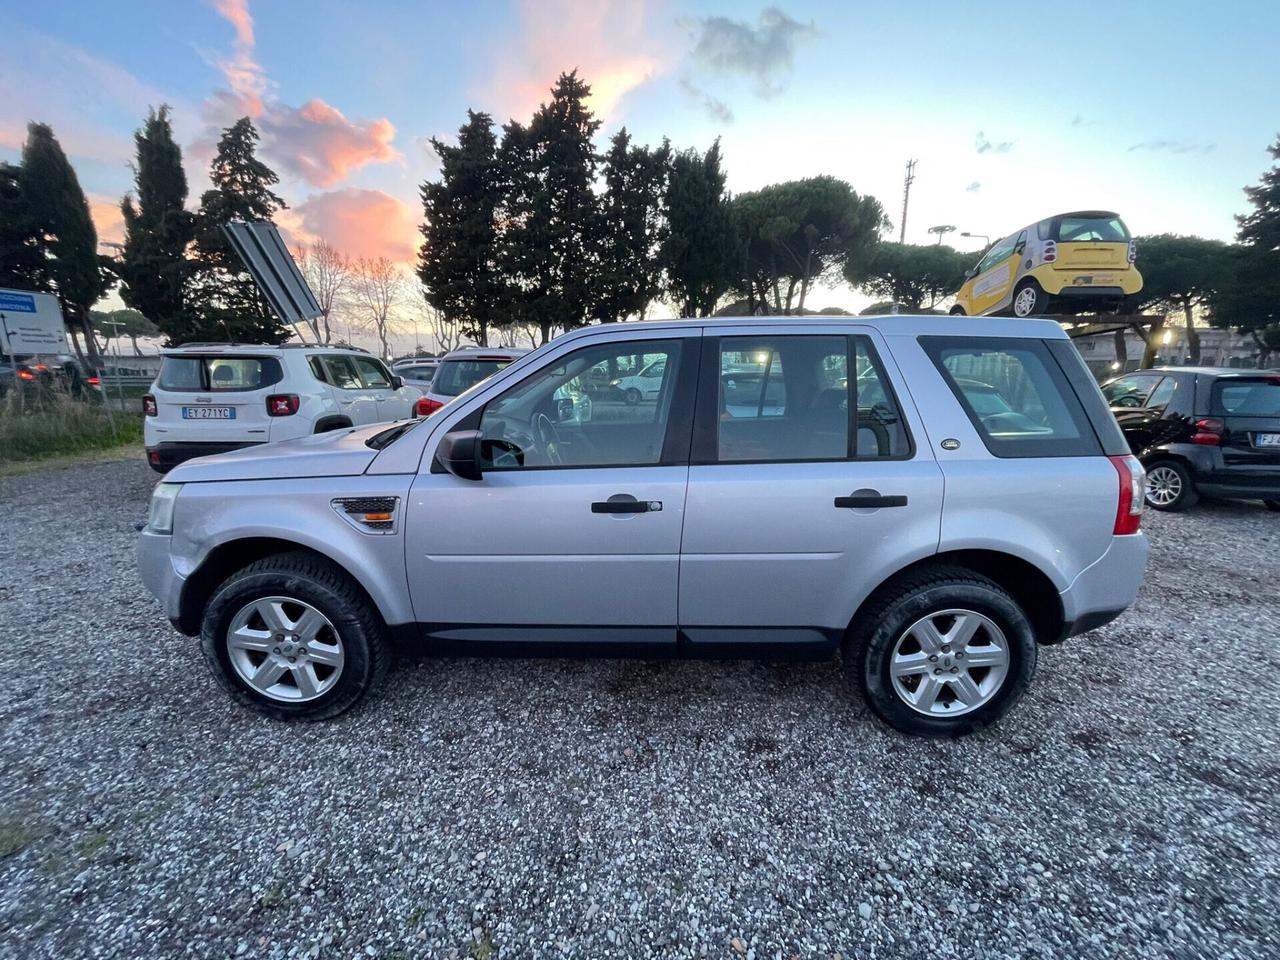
(369, 514)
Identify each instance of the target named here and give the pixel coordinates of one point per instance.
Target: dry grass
(51, 424)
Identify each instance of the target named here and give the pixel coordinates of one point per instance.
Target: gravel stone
(1127, 808)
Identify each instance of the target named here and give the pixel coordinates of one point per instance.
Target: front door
(993, 284)
(573, 533)
(804, 485)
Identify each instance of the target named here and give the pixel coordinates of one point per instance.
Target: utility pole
(906, 195)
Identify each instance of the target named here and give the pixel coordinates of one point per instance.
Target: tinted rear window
(454, 376)
(213, 374)
(1096, 229)
(1246, 398)
(1016, 396)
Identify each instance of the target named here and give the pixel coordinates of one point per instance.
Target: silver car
(931, 497)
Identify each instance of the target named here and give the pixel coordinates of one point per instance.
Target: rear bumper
(1093, 293)
(166, 456)
(1107, 587)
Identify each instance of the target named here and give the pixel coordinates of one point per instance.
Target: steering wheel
(548, 439)
(1129, 400)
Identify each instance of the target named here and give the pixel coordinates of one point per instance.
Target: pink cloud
(107, 218)
(359, 223)
(613, 45)
(314, 142)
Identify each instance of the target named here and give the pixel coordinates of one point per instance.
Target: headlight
(160, 519)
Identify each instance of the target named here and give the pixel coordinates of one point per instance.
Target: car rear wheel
(1029, 300)
(1170, 487)
(291, 636)
(942, 653)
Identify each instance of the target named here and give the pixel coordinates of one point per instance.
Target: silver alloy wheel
(1164, 486)
(285, 649)
(1024, 302)
(949, 663)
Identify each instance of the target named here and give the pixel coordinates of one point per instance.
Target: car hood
(337, 453)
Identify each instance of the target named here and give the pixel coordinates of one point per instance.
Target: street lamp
(942, 230)
(983, 236)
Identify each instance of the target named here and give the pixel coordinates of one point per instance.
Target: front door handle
(871, 500)
(629, 505)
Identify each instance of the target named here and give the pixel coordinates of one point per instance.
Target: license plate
(208, 413)
(1266, 439)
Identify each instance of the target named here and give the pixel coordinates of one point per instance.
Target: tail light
(42, 367)
(1133, 250)
(153, 457)
(25, 374)
(282, 404)
(1208, 432)
(1133, 481)
(149, 406)
(426, 406)
(1049, 252)
(93, 381)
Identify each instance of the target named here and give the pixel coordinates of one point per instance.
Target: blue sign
(18, 302)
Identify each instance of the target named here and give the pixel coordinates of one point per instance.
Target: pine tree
(457, 264)
(22, 263)
(633, 228)
(1251, 301)
(154, 269)
(227, 304)
(549, 245)
(67, 236)
(703, 253)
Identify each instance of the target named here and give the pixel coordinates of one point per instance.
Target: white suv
(213, 397)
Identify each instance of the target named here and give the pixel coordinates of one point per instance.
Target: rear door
(806, 484)
(215, 397)
(355, 401)
(1249, 408)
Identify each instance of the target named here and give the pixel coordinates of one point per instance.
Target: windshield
(455, 376)
(1106, 229)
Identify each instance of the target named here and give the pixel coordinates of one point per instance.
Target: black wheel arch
(332, 422)
(225, 559)
(1029, 586)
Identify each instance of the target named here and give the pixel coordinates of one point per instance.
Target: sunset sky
(1160, 111)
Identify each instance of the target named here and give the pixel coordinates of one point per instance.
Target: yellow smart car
(1081, 262)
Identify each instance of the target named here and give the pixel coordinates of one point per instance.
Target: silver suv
(933, 497)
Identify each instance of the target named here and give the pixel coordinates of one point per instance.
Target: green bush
(52, 424)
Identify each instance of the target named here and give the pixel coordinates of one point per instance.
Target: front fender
(208, 516)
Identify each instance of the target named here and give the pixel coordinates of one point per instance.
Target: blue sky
(1162, 112)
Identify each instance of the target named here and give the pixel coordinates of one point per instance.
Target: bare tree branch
(378, 289)
(328, 273)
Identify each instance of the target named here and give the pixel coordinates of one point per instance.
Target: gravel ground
(495, 808)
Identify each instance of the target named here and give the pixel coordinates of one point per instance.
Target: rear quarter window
(1016, 395)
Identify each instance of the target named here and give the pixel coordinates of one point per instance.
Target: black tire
(1187, 495)
(1037, 302)
(958, 311)
(632, 396)
(887, 615)
(323, 585)
(1272, 505)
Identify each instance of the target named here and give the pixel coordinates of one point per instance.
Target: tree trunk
(804, 280)
(1152, 340)
(1193, 337)
(484, 333)
(134, 337)
(544, 328)
(1122, 348)
(791, 289)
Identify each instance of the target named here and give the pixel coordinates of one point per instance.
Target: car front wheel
(942, 653)
(1170, 487)
(291, 636)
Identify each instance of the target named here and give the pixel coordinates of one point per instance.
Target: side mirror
(459, 454)
(971, 273)
(1020, 247)
(397, 381)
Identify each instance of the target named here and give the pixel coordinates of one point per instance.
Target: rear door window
(213, 374)
(1016, 396)
(342, 374)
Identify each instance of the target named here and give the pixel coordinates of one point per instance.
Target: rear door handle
(871, 500)
(626, 506)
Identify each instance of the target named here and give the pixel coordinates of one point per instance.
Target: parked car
(808, 525)
(462, 369)
(213, 397)
(32, 375)
(1202, 430)
(416, 372)
(1070, 263)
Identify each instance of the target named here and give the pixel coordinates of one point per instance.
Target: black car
(1202, 430)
